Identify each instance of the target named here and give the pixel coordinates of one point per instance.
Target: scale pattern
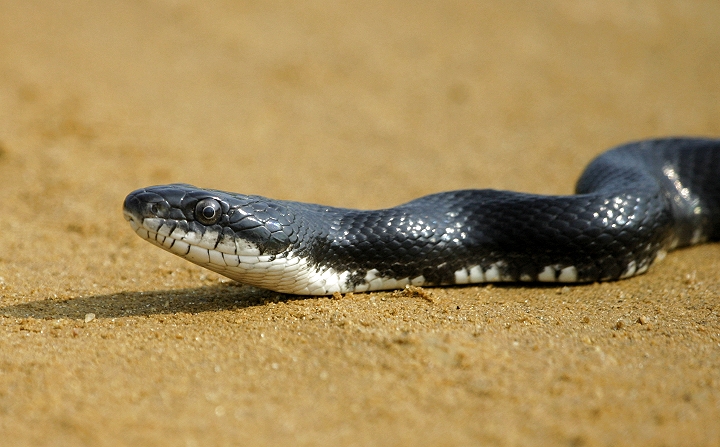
(632, 204)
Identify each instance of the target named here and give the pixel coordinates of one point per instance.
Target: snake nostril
(157, 209)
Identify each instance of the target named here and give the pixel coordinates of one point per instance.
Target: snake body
(632, 204)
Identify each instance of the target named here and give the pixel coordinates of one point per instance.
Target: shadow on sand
(217, 297)
(127, 304)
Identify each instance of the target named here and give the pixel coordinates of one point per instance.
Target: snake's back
(632, 204)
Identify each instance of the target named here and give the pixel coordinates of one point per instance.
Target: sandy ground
(106, 340)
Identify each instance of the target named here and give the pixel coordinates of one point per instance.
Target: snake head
(203, 223)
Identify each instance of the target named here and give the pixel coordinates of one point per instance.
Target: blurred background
(358, 104)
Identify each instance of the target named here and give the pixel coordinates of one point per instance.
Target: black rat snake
(632, 204)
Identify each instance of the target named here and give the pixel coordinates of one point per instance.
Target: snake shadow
(141, 303)
(217, 297)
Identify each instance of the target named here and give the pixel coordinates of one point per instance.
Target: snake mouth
(134, 220)
(195, 242)
(250, 267)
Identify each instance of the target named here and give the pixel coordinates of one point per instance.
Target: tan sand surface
(106, 340)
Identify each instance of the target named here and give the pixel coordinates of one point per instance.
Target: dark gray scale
(631, 202)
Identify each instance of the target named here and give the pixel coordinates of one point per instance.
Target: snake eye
(208, 211)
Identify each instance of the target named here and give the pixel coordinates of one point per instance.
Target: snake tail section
(632, 204)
